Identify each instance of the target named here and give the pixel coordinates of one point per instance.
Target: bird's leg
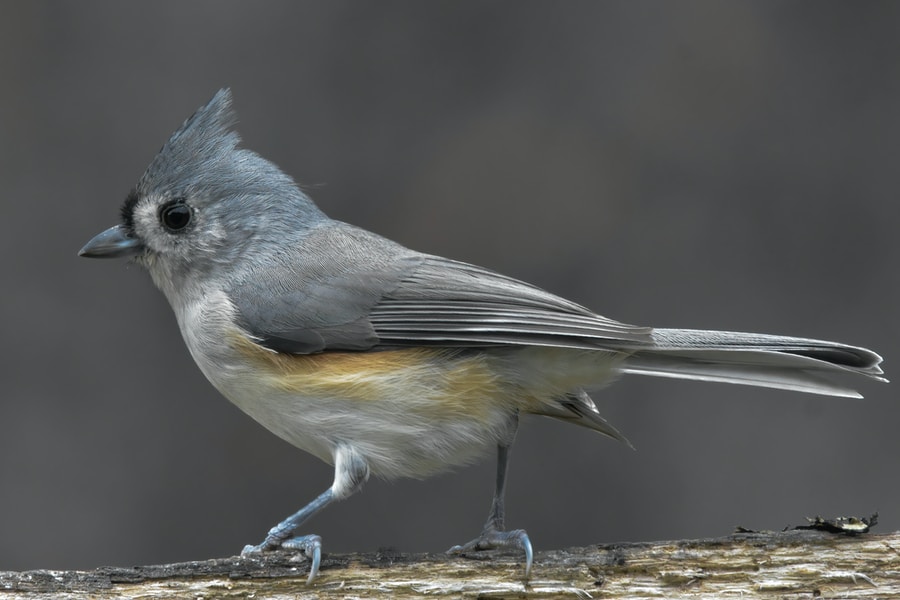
(350, 472)
(493, 535)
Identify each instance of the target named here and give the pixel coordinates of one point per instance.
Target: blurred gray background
(727, 165)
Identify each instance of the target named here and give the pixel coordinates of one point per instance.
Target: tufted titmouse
(381, 360)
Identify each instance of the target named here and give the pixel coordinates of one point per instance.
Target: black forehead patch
(128, 209)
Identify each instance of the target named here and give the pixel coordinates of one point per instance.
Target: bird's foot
(309, 545)
(492, 539)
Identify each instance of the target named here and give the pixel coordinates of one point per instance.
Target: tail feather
(753, 359)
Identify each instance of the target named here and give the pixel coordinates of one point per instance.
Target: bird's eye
(175, 215)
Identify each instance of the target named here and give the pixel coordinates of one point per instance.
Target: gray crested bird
(381, 360)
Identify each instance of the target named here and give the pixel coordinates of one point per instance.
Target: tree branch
(792, 564)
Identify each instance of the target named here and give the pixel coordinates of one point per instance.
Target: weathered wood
(794, 564)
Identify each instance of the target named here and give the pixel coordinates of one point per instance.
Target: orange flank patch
(441, 380)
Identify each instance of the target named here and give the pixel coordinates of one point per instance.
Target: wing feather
(447, 302)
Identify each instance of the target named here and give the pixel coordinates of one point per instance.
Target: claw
(251, 549)
(310, 545)
(490, 540)
(529, 553)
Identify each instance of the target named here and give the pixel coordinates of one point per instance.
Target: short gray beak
(112, 243)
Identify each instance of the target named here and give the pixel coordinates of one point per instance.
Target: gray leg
(494, 535)
(350, 472)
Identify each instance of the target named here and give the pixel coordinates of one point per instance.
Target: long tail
(753, 359)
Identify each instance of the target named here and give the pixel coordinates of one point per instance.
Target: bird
(384, 361)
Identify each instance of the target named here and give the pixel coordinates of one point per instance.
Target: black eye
(175, 215)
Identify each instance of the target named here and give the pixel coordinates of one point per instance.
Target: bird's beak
(112, 243)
